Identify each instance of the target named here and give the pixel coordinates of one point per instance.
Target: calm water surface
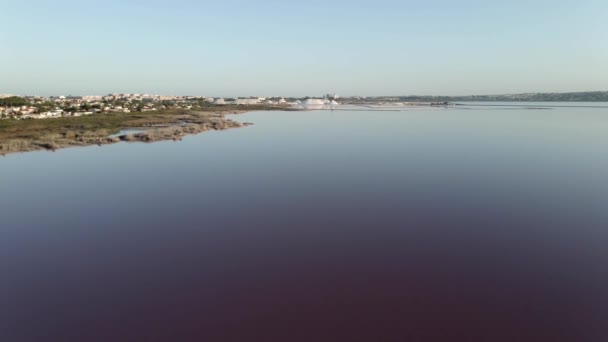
(480, 224)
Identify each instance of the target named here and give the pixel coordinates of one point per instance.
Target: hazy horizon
(240, 48)
(319, 94)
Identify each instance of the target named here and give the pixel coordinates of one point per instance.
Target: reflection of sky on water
(340, 224)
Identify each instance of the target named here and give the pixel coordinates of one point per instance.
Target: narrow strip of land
(528, 104)
(101, 129)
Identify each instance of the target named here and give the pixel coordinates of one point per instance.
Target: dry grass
(51, 134)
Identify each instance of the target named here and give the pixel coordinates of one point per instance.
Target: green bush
(13, 101)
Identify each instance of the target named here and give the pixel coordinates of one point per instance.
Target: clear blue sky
(268, 47)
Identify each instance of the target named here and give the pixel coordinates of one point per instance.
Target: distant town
(38, 107)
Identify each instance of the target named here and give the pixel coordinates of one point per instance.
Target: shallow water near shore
(468, 223)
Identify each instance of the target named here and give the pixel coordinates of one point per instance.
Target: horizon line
(343, 96)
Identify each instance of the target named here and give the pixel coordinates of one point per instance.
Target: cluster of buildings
(141, 97)
(64, 106)
(249, 101)
(29, 112)
(38, 107)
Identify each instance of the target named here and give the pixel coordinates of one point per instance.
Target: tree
(167, 103)
(13, 101)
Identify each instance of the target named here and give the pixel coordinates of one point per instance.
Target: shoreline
(54, 134)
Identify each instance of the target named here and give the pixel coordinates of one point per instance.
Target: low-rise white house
(246, 101)
(55, 113)
(92, 98)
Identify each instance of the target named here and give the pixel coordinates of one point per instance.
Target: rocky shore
(176, 132)
(151, 128)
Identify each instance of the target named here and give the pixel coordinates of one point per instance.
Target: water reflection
(419, 225)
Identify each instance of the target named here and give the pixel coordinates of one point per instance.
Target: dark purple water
(442, 225)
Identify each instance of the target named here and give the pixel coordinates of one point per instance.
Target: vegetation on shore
(52, 134)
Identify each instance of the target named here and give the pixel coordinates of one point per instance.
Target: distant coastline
(590, 96)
